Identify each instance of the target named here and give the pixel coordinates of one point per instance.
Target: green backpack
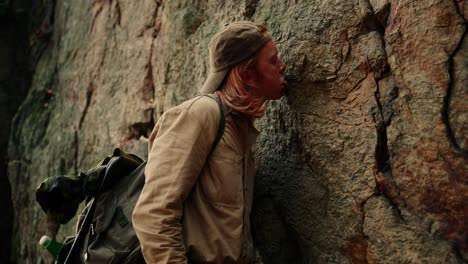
(104, 229)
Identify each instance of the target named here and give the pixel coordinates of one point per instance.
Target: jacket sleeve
(179, 146)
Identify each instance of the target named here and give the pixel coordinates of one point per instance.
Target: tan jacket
(190, 207)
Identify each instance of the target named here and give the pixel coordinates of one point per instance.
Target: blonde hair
(239, 94)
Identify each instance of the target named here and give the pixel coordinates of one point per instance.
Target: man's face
(269, 74)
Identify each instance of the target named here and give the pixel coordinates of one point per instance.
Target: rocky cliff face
(363, 162)
(16, 67)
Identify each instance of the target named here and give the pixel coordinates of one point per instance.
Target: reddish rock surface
(364, 161)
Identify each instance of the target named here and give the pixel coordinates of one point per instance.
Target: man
(195, 205)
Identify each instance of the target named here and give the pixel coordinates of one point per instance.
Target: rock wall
(16, 66)
(363, 162)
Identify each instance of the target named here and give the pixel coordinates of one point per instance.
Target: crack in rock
(89, 94)
(446, 104)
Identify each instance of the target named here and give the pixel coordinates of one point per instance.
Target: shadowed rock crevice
(36, 111)
(42, 30)
(89, 96)
(385, 183)
(369, 19)
(381, 9)
(95, 13)
(270, 225)
(446, 105)
(7, 214)
(382, 74)
(118, 15)
(149, 88)
(457, 7)
(143, 129)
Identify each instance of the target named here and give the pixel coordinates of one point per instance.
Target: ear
(248, 76)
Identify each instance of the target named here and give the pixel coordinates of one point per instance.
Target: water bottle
(52, 246)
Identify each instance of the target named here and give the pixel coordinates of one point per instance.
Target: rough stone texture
(363, 162)
(386, 231)
(15, 76)
(457, 109)
(91, 92)
(429, 166)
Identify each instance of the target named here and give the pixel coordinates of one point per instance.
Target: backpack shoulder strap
(83, 229)
(222, 122)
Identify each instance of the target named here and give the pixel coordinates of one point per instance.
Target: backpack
(104, 228)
